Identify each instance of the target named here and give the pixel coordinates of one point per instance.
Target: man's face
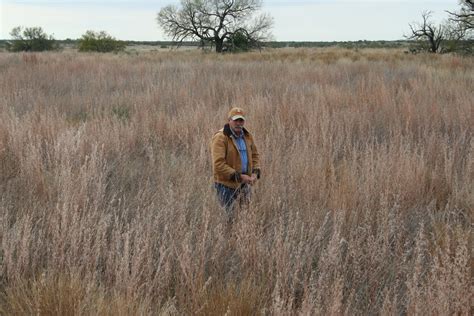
(236, 125)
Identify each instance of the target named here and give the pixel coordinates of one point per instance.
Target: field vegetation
(73, 44)
(364, 206)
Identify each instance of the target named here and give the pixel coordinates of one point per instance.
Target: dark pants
(227, 197)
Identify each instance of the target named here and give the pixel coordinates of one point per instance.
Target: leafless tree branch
(214, 20)
(426, 30)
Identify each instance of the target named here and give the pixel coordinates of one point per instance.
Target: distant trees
(30, 39)
(460, 29)
(101, 42)
(221, 23)
(465, 16)
(426, 31)
(453, 35)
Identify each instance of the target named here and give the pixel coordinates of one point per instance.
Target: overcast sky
(297, 20)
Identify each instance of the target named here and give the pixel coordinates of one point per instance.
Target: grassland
(365, 204)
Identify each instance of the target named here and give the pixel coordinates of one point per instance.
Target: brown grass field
(365, 205)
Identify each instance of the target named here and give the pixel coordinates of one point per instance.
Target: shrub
(241, 41)
(99, 42)
(30, 39)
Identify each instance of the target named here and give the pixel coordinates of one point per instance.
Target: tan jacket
(226, 162)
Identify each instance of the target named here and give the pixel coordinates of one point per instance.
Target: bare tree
(460, 29)
(465, 16)
(215, 21)
(428, 31)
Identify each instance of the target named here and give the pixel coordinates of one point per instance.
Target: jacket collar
(228, 131)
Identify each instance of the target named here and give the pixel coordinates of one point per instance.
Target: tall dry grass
(107, 207)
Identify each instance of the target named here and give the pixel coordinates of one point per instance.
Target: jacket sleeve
(219, 164)
(255, 160)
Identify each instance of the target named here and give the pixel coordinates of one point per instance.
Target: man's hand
(254, 177)
(247, 179)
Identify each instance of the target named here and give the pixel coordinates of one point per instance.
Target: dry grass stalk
(364, 207)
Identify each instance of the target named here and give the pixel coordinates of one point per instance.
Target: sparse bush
(30, 39)
(99, 42)
(240, 41)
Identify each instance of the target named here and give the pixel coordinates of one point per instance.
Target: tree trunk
(433, 44)
(219, 44)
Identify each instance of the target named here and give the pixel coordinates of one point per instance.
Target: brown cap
(236, 113)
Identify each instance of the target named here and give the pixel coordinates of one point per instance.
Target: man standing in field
(235, 162)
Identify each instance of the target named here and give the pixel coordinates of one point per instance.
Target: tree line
(237, 25)
(35, 39)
